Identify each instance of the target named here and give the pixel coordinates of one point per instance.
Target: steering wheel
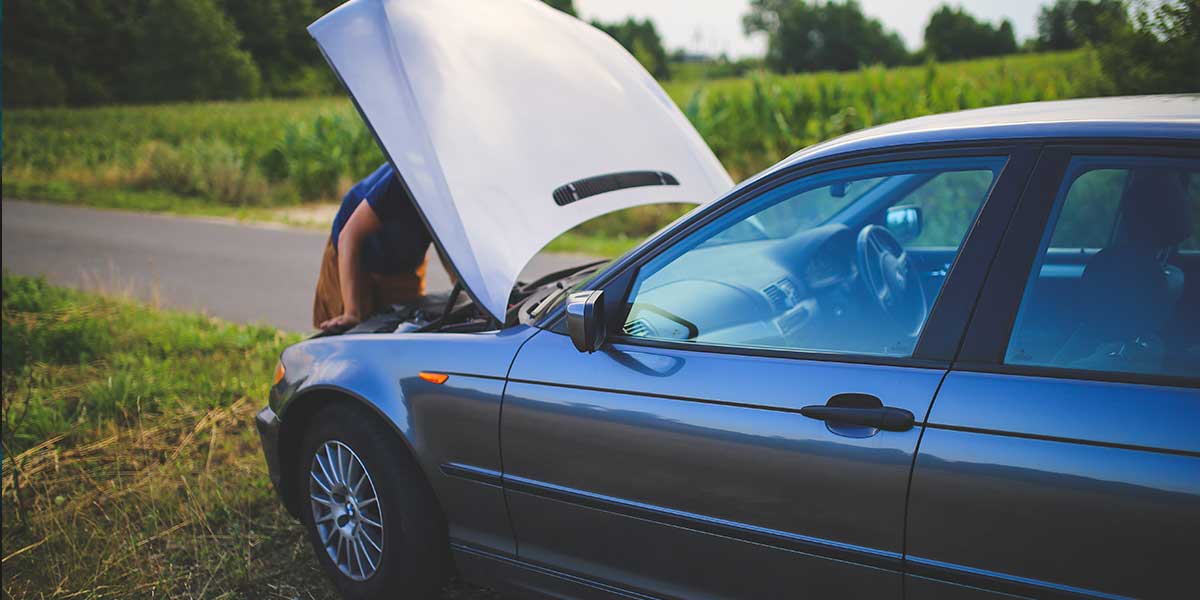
(891, 278)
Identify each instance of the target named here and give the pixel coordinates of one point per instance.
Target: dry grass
(131, 468)
(176, 506)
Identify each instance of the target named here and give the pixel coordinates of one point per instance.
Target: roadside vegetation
(131, 467)
(829, 69)
(130, 464)
(249, 159)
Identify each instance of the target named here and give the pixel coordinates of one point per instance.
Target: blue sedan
(951, 357)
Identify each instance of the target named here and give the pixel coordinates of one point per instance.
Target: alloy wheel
(346, 510)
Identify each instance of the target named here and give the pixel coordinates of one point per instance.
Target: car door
(680, 460)
(1061, 456)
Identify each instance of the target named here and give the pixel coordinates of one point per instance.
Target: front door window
(820, 264)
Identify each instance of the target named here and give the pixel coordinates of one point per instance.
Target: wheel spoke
(321, 465)
(320, 500)
(321, 484)
(372, 522)
(357, 557)
(333, 469)
(365, 553)
(377, 547)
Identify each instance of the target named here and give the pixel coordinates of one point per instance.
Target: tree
(804, 36)
(67, 51)
(641, 39)
(1097, 21)
(275, 33)
(1159, 52)
(189, 50)
(1054, 27)
(567, 6)
(1068, 24)
(953, 34)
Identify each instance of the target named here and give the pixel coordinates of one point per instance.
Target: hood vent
(591, 186)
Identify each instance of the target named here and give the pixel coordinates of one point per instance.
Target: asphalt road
(239, 272)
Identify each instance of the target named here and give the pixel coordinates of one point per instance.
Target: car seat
(1128, 291)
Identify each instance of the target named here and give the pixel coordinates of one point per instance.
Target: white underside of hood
(486, 107)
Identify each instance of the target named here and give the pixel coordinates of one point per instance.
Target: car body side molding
(992, 581)
(741, 531)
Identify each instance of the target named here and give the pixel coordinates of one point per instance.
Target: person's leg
(327, 301)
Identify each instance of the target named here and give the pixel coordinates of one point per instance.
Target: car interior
(1132, 305)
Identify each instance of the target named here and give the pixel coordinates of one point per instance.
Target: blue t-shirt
(398, 247)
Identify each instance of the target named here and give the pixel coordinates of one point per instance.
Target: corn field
(276, 152)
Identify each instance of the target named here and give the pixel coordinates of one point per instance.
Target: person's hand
(342, 321)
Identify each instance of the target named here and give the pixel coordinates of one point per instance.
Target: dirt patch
(311, 216)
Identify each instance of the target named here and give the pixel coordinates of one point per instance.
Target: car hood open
(510, 123)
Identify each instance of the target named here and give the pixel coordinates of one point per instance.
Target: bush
(322, 156)
(210, 169)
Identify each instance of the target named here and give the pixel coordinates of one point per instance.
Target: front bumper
(268, 423)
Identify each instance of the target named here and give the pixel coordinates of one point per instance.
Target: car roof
(1128, 117)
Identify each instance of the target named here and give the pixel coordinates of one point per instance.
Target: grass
(253, 160)
(131, 468)
(158, 201)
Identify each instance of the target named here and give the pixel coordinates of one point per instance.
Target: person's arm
(361, 224)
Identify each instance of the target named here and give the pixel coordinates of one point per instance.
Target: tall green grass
(278, 152)
(131, 468)
(753, 122)
(269, 152)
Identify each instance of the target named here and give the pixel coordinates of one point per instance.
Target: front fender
(452, 423)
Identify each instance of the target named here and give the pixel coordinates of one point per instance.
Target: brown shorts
(382, 290)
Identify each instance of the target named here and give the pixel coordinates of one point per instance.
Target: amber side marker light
(433, 377)
(279, 372)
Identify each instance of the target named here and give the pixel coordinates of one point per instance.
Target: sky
(715, 26)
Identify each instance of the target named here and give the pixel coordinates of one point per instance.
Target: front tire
(371, 517)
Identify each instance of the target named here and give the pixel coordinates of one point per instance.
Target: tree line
(87, 52)
(1144, 46)
(91, 52)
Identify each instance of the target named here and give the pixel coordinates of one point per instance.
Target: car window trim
(1019, 156)
(990, 328)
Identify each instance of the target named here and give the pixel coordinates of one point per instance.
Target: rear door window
(1116, 286)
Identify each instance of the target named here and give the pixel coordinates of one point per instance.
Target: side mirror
(904, 222)
(585, 320)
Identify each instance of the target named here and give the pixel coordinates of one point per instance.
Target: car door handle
(883, 417)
